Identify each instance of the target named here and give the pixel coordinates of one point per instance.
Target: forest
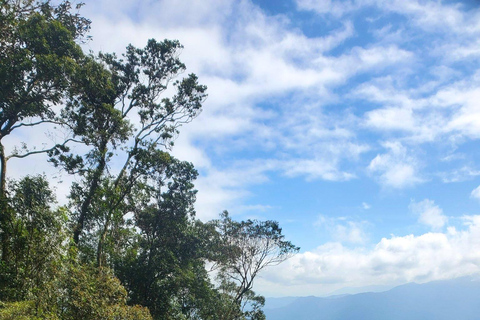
(127, 244)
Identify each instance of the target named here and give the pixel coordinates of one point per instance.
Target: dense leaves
(38, 54)
(36, 242)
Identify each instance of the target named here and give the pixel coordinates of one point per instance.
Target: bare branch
(36, 123)
(20, 156)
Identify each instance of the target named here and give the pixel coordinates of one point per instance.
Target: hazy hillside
(440, 300)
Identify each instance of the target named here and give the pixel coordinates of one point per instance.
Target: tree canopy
(127, 245)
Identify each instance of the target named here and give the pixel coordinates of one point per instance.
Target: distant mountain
(457, 299)
(355, 290)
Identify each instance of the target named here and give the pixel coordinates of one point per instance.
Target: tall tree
(165, 269)
(38, 54)
(123, 115)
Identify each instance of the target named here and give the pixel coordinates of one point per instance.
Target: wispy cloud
(272, 88)
(344, 229)
(311, 106)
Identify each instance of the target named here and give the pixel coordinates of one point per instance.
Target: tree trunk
(3, 172)
(101, 241)
(84, 210)
(3, 204)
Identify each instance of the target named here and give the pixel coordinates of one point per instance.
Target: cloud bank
(392, 261)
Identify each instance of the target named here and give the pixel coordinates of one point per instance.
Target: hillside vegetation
(127, 245)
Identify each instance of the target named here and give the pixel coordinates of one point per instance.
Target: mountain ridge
(436, 300)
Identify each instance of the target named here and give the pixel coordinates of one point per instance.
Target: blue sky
(355, 124)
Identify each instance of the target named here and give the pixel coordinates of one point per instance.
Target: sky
(353, 123)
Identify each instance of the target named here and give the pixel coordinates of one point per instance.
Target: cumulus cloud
(429, 213)
(392, 261)
(395, 168)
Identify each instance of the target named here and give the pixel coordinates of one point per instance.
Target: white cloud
(366, 206)
(316, 169)
(475, 193)
(436, 112)
(220, 190)
(395, 260)
(391, 119)
(395, 168)
(429, 213)
(335, 8)
(343, 229)
(429, 15)
(458, 175)
(247, 57)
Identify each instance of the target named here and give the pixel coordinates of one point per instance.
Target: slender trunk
(101, 241)
(3, 205)
(113, 206)
(84, 210)
(3, 172)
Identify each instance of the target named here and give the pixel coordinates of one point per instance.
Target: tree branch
(35, 123)
(20, 156)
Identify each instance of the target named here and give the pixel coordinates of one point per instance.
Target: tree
(244, 249)
(38, 54)
(164, 268)
(123, 115)
(37, 236)
(94, 293)
(78, 292)
(42, 279)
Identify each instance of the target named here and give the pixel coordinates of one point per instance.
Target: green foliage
(166, 260)
(38, 274)
(81, 292)
(23, 310)
(110, 93)
(39, 55)
(36, 239)
(94, 293)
